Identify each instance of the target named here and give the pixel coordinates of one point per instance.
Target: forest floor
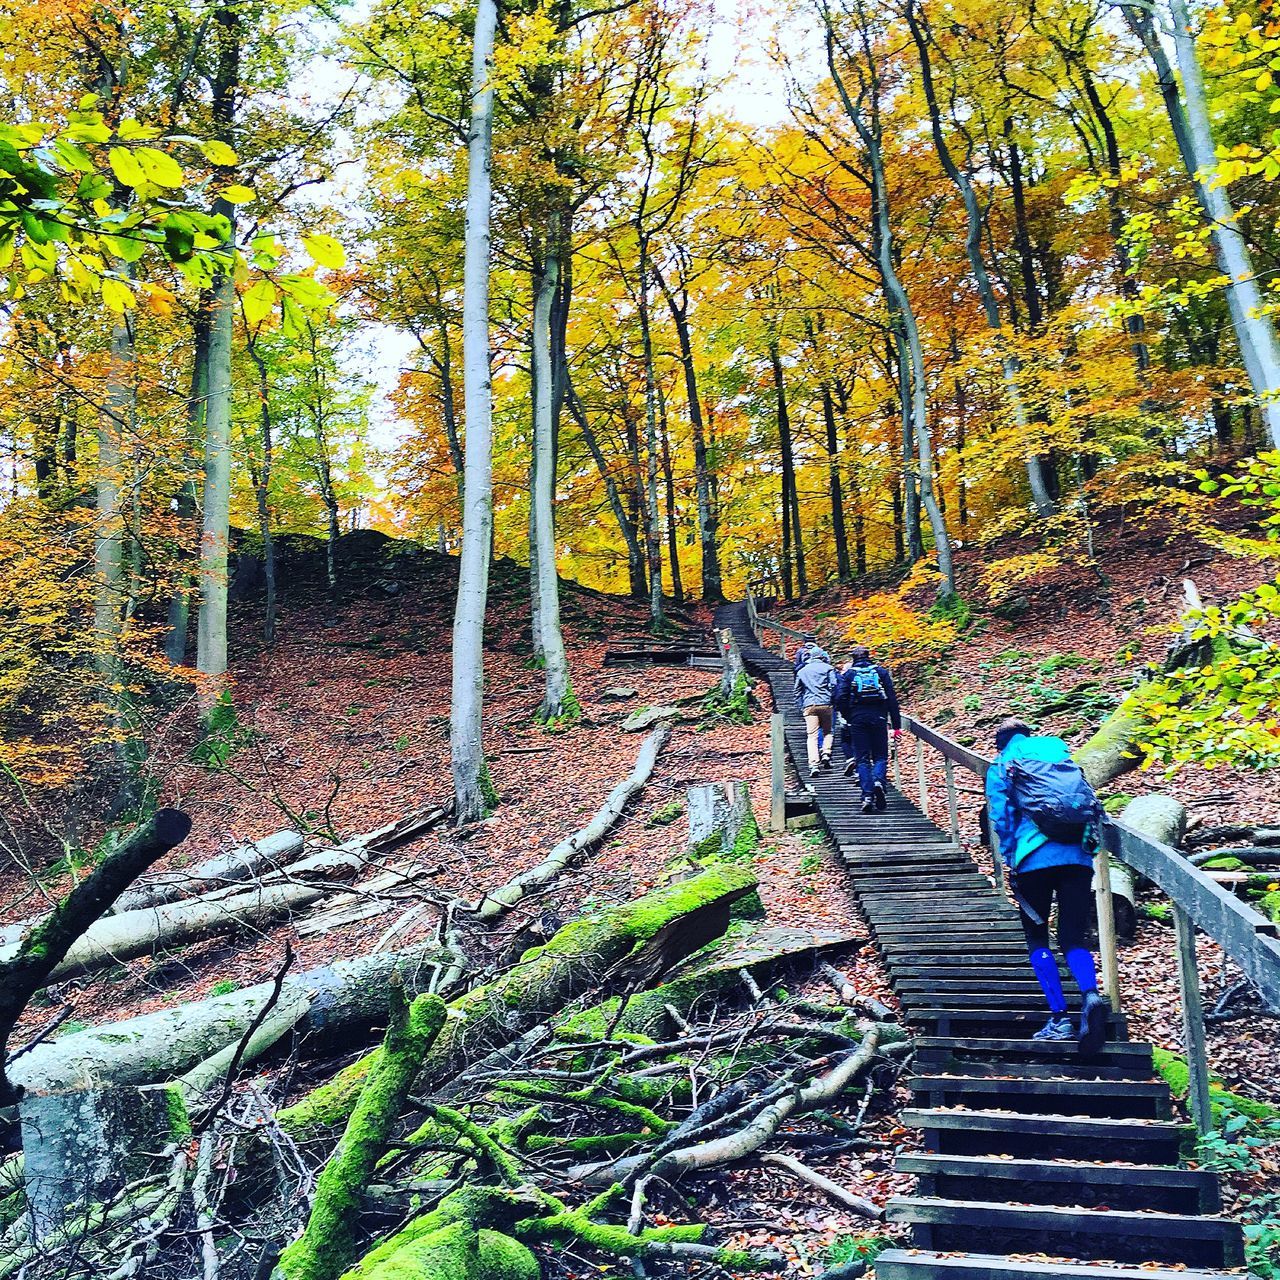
(343, 726)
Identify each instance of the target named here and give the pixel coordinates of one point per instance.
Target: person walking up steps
(868, 703)
(1042, 811)
(815, 687)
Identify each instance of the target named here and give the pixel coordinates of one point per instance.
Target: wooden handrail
(1243, 933)
(1199, 902)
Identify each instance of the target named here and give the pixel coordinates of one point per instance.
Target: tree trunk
(673, 524)
(838, 531)
(115, 422)
(712, 586)
(973, 249)
(653, 531)
(27, 967)
(556, 700)
(188, 497)
(211, 627)
(635, 553)
(1192, 130)
(909, 480)
(465, 729)
(343, 997)
(790, 493)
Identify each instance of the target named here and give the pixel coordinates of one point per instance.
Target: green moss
(1225, 863)
(666, 815)
(734, 706)
(490, 793)
(327, 1245)
(570, 714)
(749, 907)
(176, 1112)
(1173, 1070)
(459, 1252)
(747, 840)
(326, 1107)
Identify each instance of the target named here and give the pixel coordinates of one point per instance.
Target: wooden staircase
(1036, 1162)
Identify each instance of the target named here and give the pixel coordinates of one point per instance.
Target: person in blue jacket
(1041, 871)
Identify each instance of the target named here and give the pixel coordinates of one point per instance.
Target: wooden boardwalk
(1036, 1162)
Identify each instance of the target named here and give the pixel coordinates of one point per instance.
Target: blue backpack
(864, 685)
(1056, 796)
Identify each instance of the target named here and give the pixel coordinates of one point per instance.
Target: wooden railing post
(1192, 1022)
(953, 801)
(1107, 928)
(921, 783)
(778, 774)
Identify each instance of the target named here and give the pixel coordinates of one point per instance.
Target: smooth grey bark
(555, 660)
(653, 524)
(974, 226)
(211, 626)
(188, 498)
(669, 485)
(867, 125)
(116, 417)
(465, 729)
(262, 491)
(1192, 130)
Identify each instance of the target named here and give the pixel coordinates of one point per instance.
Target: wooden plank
(1234, 925)
(1193, 1041)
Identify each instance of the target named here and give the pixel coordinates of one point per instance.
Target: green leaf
(258, 301)
(117, 295)
(161, 169)
(216, 152)
(126, 167)
(237, 193)
(134, 131)
(93, 187)
(324, 251)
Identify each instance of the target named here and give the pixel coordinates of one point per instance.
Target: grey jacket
(816, 683)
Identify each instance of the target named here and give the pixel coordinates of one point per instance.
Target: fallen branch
(38, 955)
(841, 1195)
(849, 994)
(498, 902)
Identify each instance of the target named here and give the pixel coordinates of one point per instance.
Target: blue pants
(868, 743)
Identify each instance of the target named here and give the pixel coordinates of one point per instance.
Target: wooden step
(1064, 1182)
(1112, 1234)
(1124, 1053)
(1144, 1099)
(920, 1264)
(1009, 1023)
(964, 1132)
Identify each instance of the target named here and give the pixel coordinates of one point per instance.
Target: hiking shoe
(868, 805)
(1093, 1023)
(1057, 1028)
(849, 767)
(826, 762)
(882, 800)
(813, 773)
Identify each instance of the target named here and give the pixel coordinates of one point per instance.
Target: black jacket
(856, 711)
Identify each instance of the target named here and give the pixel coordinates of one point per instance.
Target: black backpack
(1056, 796)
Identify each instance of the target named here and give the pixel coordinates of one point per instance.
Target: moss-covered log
(629, 945)
(328, 1244)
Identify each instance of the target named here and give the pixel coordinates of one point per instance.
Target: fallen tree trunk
(498, 902)
(344, 997)
(328, 1244)
(27, 967)
(152, 929)
(248, 862)
(629, 945)
(1161, 818)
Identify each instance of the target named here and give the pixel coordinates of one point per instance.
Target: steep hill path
(1036, 1163)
